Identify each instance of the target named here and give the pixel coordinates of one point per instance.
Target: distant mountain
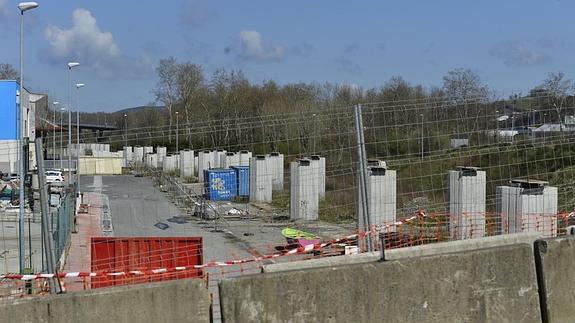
(139, 109)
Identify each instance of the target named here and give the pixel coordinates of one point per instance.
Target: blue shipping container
(221, 184)
(8, 110)
(243, 178)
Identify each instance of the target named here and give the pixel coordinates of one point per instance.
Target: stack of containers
(243, 179)
(221, 184)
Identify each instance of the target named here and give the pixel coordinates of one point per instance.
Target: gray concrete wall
(487, 285)
(184, 300)
(409, 252)
(555, 260)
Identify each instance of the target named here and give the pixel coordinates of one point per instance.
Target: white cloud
(252, 48)
(517, 54)
(87, 43)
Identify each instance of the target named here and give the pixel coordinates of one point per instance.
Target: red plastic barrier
(119, 254)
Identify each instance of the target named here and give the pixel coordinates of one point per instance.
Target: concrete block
(277, 164)
(205, 161)
(455, 287)
(555, 260)
(162, 153)
(245, 157)
(230, 159)
(318, 163)
(408, 252)
(185, 300)
(381, 190)
(304, 194)
(467, 191)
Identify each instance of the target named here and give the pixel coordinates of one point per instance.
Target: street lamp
(177, 128)
(78, 86)
(23, 6)
(54, 104)
(62, 109)
(125, 130)
(71, 65)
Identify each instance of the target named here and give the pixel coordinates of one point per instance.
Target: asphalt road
(136, 206)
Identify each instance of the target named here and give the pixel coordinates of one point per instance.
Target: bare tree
(7, 72)
(166, 89)
(462, 84)
(557, 87)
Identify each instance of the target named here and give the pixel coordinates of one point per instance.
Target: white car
(54, 176)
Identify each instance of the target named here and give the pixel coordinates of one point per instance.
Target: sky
(511, 44)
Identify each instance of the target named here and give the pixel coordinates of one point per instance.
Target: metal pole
(21, 149)
(54, 137)
(363, 216)
(126, 130)
(61, 139)
(46, 237)
(78, 141)
(69, 126)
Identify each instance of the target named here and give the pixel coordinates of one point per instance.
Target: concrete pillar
(148, 150)
(277, 164)
(196, 161)
(138, 154)
(381, 190)
(162, 152)
(318, 164)
(527, 206)
(467, 203)
(260, 180)
(152, 160)
(170, 163)
(186, 163)
(245, 157)
(205, 160)
(230, 159)
(304, 194)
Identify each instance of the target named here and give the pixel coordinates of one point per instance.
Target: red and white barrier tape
(212, 264)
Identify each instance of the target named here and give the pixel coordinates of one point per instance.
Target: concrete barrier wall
(555, 260)
(486, 285)
(408, 252)
(184, 300)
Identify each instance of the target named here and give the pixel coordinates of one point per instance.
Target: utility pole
(364, 224)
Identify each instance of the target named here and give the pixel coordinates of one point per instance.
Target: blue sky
(511, 44)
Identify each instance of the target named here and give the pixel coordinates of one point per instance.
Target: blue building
(8, 110)
(9, 107)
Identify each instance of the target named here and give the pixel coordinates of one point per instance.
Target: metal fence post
(364, 224)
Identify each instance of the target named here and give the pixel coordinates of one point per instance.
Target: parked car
(53, 176)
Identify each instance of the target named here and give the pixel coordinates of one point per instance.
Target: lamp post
(125, 130)
(421, 115)
(177, 128)
(62, 109)
(54, 104)
(71, 65)
(78, 86)
(23, 6)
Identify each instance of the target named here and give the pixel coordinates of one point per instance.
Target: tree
(166, 89)
(461, 85)
(7, 72)
(557, 87)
